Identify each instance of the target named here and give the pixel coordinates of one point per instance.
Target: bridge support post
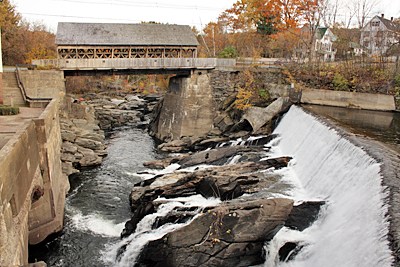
(188, 108)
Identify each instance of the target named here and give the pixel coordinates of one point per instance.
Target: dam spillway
(352, 228)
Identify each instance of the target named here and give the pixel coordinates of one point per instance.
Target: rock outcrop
(229, 123)
(221, 236)
(111, 114)
(225, 182)
(83, 141)
(231, 234)
(84, 123)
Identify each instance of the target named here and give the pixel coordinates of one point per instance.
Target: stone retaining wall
(32, 187)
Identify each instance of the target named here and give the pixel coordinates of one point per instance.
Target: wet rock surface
(221, 236)
(231, 234)
(303, 215)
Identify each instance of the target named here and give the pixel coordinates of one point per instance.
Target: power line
(147, 4)
(79, 17)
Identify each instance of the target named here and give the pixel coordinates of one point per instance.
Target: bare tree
(351, 11)
(329, 10)
(363, 9)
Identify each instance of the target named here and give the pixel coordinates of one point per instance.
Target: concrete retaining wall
(11, 89)
(19, 164)
(37, 83)
(188, 109)
(32, 188)
(43, 83)
(348, 99)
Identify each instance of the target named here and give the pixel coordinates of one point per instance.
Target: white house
(324, 39)
(379, 34)
(322, 46)
(356, 49)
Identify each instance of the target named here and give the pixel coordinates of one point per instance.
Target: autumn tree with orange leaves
(23, 41)
(284, 14)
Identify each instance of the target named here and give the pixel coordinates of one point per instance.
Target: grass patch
(8, 110)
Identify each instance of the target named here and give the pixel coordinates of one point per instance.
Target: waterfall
(352, 227)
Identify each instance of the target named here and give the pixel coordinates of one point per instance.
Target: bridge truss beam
(89, 52)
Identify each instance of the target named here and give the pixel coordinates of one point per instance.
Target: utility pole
(214, 38)
(1, 70)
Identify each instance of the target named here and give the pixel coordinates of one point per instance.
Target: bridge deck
(134, 65)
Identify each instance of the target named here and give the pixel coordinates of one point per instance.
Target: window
(375, 23)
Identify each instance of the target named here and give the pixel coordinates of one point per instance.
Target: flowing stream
(351, 229)
(97, 206)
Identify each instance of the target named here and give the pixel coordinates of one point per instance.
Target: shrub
(264, 94)
(8, 110)
(340, 83)
(397, 81)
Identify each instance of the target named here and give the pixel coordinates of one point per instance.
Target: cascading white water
(144, 232)
(352, 227)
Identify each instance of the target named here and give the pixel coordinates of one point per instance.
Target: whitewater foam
(352, 227)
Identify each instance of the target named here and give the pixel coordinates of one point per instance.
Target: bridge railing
(136, 63)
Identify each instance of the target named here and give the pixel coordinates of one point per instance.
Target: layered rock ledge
(231, 234)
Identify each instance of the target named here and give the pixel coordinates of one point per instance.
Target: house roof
(320, 32)
(390, 24)
(124, 34)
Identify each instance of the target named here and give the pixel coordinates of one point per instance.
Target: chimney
(391, 18)
(383, 15)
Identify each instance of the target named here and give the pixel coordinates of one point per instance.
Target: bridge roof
(124, 34)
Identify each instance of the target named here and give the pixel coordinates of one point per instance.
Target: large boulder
(230, 235)
(258, 117)
(89, 143)
(89, 157)
(225, 182)
(304, 215)
(216, 156)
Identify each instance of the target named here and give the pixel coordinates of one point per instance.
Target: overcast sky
(183, 12)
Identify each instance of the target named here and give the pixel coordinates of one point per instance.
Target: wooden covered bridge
(110, 48)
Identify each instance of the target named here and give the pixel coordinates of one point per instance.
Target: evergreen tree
(267, 25)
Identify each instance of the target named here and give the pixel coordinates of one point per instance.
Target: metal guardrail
(22, 87)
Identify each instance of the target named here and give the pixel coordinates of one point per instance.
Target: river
(97, 206)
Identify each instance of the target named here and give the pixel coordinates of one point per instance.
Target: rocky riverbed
(219, 235)
(84, 121)
(230, 234)
(244, 200)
